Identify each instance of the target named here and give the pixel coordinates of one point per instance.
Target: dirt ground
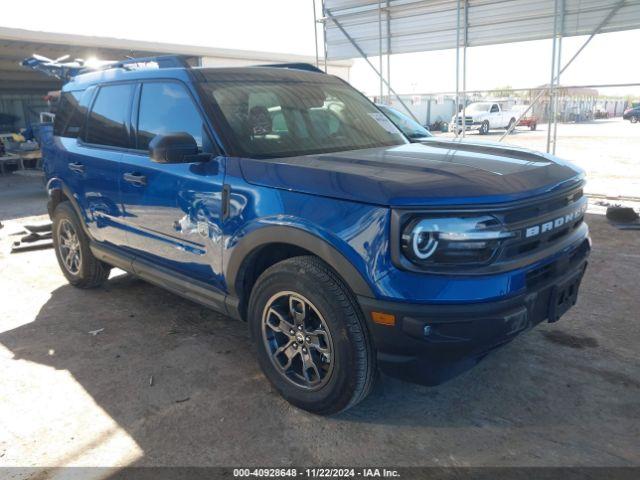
(129, 374)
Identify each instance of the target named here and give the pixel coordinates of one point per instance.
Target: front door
(172, 211)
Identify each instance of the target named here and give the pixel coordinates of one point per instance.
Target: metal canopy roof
(422, 25)
(17, 44)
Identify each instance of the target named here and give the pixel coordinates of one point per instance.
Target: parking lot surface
(608, 150)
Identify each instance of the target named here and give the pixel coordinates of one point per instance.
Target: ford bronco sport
(285, 198)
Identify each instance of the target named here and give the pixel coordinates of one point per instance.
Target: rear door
(173, 210)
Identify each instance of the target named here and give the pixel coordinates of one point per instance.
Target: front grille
(551, 270)
(540, 226)
(468, 120)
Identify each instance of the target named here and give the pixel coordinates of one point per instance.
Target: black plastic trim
(299, 238)
(459, 335)
(175, 282)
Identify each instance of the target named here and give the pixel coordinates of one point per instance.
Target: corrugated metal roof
(422, 25)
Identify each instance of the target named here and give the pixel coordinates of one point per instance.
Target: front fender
(326, 246)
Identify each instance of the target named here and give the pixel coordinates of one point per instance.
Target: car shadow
(198, 356)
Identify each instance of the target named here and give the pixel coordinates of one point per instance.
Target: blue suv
(281, 196)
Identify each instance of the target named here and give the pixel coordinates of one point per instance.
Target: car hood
(436, 172)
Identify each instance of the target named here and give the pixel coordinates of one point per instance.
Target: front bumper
(431, 343)
(468, 127)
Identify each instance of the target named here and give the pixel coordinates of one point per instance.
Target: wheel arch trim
(297, 237)
(56, 188)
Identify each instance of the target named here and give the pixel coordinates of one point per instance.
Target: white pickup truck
(484, 116)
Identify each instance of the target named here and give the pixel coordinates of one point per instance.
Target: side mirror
(175, 147)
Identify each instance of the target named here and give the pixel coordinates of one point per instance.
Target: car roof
(200, 74)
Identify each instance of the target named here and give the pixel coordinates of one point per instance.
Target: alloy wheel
(297, 340)
(69, 247)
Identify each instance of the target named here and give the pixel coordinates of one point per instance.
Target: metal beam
(366, 59)
(388, 48)
(611, 13)
(380, 48)
(554, 75)
(558, 64)
(464, 68)
(315, 32)
(457, 111)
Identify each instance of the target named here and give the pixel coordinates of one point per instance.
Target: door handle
(135, 179)
(76, 167)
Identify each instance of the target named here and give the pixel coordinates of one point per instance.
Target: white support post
(464, 68)
(455, 116)
(380, 49)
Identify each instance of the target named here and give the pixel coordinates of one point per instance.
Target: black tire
(88, 272)
(511, 123)
(634, 119)
(533, 126)
(349, 368)
(484, 128)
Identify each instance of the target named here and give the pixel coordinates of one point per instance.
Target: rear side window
(167, 108)
(107, 124)
(67, 108)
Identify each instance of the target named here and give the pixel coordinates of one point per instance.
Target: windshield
(409, 126)
(478, 107)
(270, 113)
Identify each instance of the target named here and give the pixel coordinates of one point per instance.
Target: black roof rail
(295, 66)
(163, 61)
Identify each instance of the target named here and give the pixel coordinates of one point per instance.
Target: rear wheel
(511, 124)
(484, 128)
(634, 119)
(311, 339)
(74, 256)
(533, 126)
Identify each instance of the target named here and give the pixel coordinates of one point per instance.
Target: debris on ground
(621, 214)
(38, 236)
(623, 218)
(182, 400)
(151, 381)
(96, 332)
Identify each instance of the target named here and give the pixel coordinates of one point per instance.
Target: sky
(287, 26)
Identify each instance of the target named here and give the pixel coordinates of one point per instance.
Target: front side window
(167, 108)
(107, 124)
(282, 114)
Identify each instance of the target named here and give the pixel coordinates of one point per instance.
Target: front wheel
(533, 126)
(484, 128)
(311, 339)
(634, 119)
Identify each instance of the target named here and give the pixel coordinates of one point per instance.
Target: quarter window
(167, 108)
(107, 123)
(67, 108)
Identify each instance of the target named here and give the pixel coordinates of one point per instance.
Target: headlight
(452, 240)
